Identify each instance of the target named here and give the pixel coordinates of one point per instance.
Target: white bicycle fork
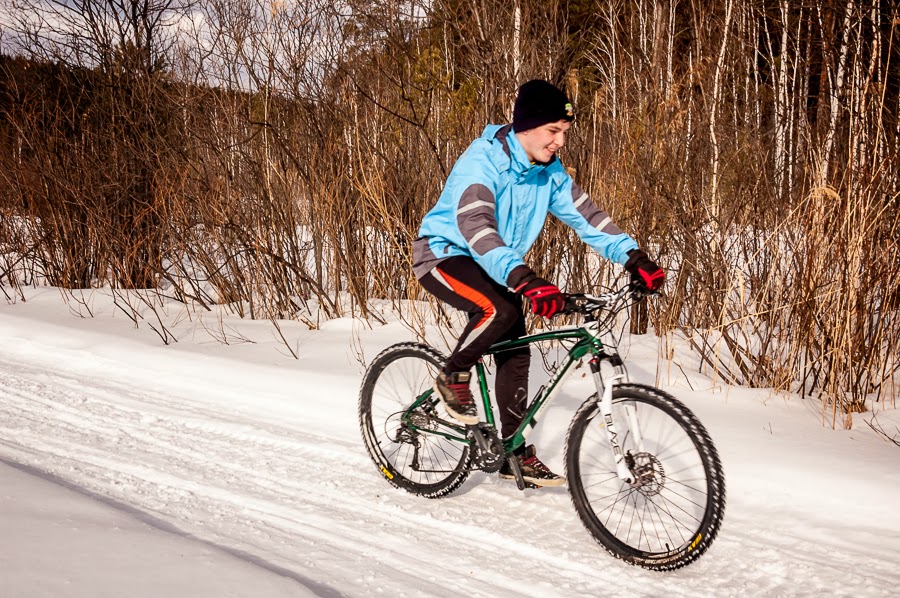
(605, 391)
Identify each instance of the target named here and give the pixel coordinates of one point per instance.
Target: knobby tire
(391, 384)
(672, 517)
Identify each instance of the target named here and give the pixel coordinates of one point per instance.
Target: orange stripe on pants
(472, 295)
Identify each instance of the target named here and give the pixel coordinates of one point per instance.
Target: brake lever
(573, 302)
(640, 292)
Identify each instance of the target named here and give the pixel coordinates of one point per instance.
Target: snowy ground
(130, 468)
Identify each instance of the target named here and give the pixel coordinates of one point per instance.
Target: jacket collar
(510, 154)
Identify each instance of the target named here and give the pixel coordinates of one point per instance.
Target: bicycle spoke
(691, 488)
(402, 441)
(609, 477)
(665, 507)
(671, 542)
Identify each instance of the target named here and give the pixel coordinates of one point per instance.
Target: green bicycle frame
(586, 342)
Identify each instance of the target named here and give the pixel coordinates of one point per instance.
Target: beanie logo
(569, 111)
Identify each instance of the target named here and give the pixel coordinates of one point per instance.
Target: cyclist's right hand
(644, 271)
(546, 298)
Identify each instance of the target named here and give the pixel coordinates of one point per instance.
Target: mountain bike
(643, 474)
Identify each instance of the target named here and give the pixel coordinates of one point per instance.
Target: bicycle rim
(420, 461)
(669, 516)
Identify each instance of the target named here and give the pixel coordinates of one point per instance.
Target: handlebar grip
(574, 303)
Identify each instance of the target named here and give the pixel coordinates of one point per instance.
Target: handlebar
(588, 305)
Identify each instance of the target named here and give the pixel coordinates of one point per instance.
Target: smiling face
(542, 143)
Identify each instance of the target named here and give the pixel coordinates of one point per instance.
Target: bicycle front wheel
(671, 511)
(417, 449)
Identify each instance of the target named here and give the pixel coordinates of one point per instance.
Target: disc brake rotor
(649, 476)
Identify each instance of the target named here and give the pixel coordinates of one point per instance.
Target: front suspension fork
(604, 391)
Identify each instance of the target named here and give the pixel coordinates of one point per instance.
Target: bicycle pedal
(527, 485)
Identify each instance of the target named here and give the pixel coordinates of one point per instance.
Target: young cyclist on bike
(470, 248)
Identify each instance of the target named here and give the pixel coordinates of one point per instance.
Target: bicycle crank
(487, 449)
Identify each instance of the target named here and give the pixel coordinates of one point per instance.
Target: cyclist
(470, 248)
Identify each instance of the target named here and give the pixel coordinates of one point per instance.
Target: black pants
(495, 314)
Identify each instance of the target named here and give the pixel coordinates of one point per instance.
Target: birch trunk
(713, 113)
(836, 86)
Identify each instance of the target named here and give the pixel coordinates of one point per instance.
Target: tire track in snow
(175, 467)
(315, 505)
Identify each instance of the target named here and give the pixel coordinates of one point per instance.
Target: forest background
(277, 156)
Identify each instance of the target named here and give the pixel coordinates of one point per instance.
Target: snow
(133, 468)
(61, 540)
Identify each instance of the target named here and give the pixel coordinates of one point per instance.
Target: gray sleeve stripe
(482, 235)
(603, 222)
(475, 193)
(475, 215)
(577, 191)
(612, 229)
(474, 225)
(486, 241)
(584, 197)
(477, 204)
(606, 225)
(594, 215)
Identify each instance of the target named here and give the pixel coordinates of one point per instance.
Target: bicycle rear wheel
(411, 451)
(671, 513)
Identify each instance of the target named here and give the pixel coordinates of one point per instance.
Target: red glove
(645, 272)
(546, 298)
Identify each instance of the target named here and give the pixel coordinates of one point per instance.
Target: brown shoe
(453, 390)
(533, 470)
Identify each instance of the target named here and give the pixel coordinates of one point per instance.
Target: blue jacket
(494, 205)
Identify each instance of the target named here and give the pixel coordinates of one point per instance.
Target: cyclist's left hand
(644, 271)
(546, 298)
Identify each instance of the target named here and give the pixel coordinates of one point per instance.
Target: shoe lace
(462, 393)
(535, 464)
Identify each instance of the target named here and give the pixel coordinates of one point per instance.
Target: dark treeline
(264, 154)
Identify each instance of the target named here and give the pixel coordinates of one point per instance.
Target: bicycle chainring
(487, 448)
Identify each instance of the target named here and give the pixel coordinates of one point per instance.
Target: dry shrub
(278, 158)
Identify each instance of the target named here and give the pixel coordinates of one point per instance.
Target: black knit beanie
(538, 103)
